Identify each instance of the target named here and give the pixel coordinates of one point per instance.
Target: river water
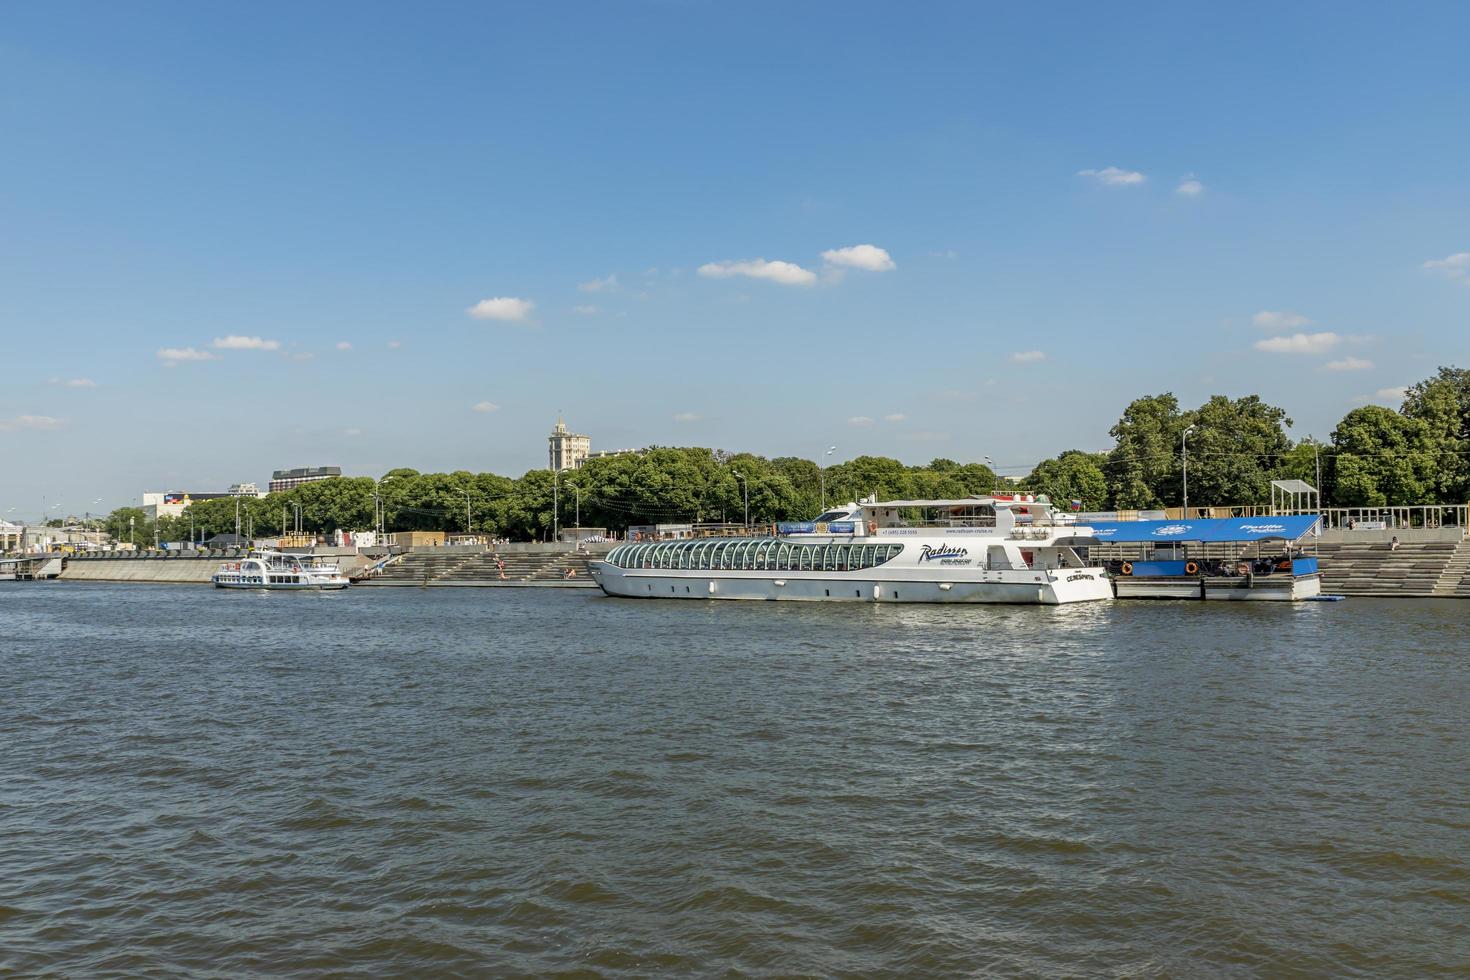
(517, 781)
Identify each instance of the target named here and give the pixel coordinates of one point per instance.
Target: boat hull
(1029, 588)
(285, 587)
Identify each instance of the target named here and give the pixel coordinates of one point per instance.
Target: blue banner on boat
(841, 527)
(1207, 529)
(796, 527)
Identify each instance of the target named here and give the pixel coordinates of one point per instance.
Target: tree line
(1376, 456)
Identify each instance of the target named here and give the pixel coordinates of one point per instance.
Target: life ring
(1191, 568)
(1128, 568)
(872, 527)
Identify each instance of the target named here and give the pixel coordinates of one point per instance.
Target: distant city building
(246, 490)
(567, 450)
(172, 503)
(286, 479)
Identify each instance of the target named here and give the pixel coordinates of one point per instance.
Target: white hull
(1025, 587)
(279, 587)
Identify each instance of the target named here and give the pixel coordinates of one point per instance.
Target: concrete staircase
(417, 568)
(1455, 579)
(1378, 570)
(423, 568)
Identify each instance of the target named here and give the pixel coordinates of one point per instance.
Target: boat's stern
(1066, 585)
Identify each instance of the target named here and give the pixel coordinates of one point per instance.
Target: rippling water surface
(535, 781)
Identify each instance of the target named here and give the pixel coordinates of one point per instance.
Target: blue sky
(661, 202)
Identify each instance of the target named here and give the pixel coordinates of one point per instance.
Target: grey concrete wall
(167, 570)
(1407, 535)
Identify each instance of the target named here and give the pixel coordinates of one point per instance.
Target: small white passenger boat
(279, 570)
(1000, 548)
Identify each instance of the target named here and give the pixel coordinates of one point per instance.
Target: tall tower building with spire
(566, 450)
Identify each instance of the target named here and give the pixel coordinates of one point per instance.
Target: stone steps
(1427, 569)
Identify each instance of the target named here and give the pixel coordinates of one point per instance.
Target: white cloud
(1300, 343)
(352, 432)
(894, 417)
(869, 257)
(1028, 356)
(607, 284)
(1349, 364)
(176, 355)
(586, 309)
(785, 273)
(485, 407)
(859, 420)
(300, 356)
(1390, 395)
(394, 344)
(1279, 320)
(1114, 176)
(75, 383)
(1455, 266)
(947, 253)
(1190, 187)
(686, 417)
(37, 422)
(508, 308)
(343, 345)
(236, 342)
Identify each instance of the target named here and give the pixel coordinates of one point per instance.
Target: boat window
(831, 515)
(783, 557)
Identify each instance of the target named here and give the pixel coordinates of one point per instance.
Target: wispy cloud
(1348, 364)
(859, 420)
(343, 345)
(687, 417)
(1028, 356)
(586, 309)
(1300, 343)
(74, 382)
(1114, 177)
(485, 407)
(1390, 396)
(178, 355)
(394, 344)
(1190, 187)
(17, 423)
(1279, 320)
(299, 356)
(785, 273)
(868, 257)
(894, 417)
(1455, 267)
(237, 342)
(510, 309)
(606, 284)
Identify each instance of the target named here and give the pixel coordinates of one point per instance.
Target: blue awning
(1207, 529)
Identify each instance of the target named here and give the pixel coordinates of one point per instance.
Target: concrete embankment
(162, 570)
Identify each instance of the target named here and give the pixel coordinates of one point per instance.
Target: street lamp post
(822, 474)
(1184, 452)
(745, 488)
(468, 523)
(556, 506)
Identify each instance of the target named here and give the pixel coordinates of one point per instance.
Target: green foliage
(1383, 457)
(1143, 467)
(1235, 449)
(1073, 475)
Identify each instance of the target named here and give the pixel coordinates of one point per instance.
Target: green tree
(1236, 446)
(1143, 467)
(1382, 458)
(1073, 475)
(1442, 403)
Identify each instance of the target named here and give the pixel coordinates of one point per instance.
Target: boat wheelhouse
(277, 570)
(1000, 548)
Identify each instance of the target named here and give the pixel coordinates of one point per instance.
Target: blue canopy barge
(1255, 558)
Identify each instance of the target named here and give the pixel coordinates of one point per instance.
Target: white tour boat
(1000, 548)
(278, 570)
